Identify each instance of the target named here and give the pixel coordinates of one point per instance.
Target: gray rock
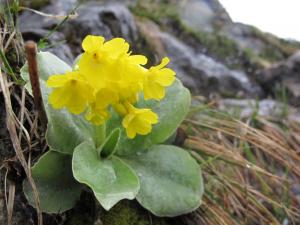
(59, 9)
(244, 35)
(199, 72)
(35, 27)
(203, 15)
(286, 75)
(247, 107)
(108, 20)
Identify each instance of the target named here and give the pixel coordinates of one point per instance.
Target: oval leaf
(171, 111)
(110, 179)
(171, 182)
(65, 131)
(58, 190)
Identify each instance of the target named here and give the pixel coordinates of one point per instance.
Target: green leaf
(108, 148)
(65, 131)
(110, 179)
(171, 111)
(171, 182)
(58, 190)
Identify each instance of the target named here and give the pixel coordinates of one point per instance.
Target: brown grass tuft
(251, 173)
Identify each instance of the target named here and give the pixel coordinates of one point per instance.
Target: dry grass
(11, 44)
(250, 173)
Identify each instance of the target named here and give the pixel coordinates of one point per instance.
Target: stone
(200, 73)
(283, 77)
(246, 108)
(212, 14)
(108, 20)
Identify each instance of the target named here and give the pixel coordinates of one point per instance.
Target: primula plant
(109, 121)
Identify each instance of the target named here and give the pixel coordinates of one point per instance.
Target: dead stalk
(31, 53)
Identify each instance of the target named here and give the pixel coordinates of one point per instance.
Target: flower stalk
(31, 53)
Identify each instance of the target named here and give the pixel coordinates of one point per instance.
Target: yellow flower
(97, 116)
(98, 110)
(105, 97)
(108, 76)
(71, 91)
(95, 45)
(156, 79)
(97, 63)
(138, 121)
(130, 81)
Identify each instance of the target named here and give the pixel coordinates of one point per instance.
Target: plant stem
(31, 52)
(100, 135)
(7, 67)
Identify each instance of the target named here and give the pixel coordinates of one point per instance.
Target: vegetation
(278, 48)
(251, 166)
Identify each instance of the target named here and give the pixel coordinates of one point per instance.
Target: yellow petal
(150, 117)
(92, 43)
(92, 71)
(120, 109)
(74, 95)
(97, 117)
(75, 100)
(163, 63)
(127, 120)
(57, 98)
(153, 90)
(141, 126)
(116, 47)
(131, 133)
(138, 59)
(165, 77)
(57, 80)
(105, 97)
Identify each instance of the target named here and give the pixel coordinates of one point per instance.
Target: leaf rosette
(113, 161)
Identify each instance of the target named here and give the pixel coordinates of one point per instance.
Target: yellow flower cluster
(107, 75)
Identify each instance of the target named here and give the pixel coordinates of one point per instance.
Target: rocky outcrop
(206, 53)
(283, 79)
(201, 73)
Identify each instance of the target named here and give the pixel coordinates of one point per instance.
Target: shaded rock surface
(283, 78)
(108, 20)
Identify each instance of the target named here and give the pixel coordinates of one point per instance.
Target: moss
(153, 11)
(217, 44)
(130, 213)
(34, 4)
(271, 54)
(278, 48)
